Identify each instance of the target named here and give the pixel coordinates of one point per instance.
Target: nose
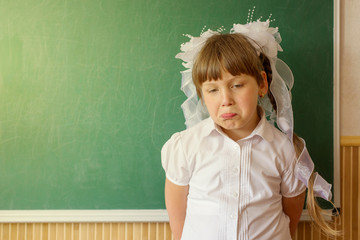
(227, 98)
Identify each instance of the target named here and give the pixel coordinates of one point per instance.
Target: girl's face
(232, 103)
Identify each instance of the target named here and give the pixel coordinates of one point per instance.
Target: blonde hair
(235, 54)
(315, 211)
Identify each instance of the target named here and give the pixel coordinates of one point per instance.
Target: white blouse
(235, 188)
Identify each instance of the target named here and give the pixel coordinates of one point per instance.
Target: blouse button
(233, 216)
(235, 194)
(236, 170)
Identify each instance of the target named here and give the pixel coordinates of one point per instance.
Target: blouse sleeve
(174, 161)
(290, 185)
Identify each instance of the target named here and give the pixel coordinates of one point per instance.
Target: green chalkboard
(89, 93)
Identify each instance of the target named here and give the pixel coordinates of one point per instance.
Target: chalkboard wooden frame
(336, 103)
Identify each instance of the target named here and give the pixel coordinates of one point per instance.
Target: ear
(263, 86)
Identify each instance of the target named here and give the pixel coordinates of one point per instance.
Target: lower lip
(228, 115)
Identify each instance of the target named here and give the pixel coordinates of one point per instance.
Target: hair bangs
(208, 66)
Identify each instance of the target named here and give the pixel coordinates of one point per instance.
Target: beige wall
(350, 68)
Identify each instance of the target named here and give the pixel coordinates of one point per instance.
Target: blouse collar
(263, 129)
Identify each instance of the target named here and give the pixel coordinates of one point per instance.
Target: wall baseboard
(72, 216)
(80, 216)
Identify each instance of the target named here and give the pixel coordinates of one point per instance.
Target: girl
(234, 175)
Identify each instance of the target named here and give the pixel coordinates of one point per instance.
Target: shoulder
(272, 134)
(197, 132)
(177, 152)
(280, 138)
(280, 143)
(191, 135)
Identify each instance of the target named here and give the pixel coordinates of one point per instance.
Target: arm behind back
(176, 203)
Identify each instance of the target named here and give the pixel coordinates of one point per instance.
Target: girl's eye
(213, 90)
(238, 85)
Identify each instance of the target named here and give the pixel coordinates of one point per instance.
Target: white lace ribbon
(194, 110)
(267, 40)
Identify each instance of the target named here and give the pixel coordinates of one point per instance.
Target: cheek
(250, 99)
(210, 104)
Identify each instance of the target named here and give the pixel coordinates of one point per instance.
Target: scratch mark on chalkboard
(9, 140)
(63, 145)
(153, 120)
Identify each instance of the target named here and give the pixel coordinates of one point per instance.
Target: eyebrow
(237, 77)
